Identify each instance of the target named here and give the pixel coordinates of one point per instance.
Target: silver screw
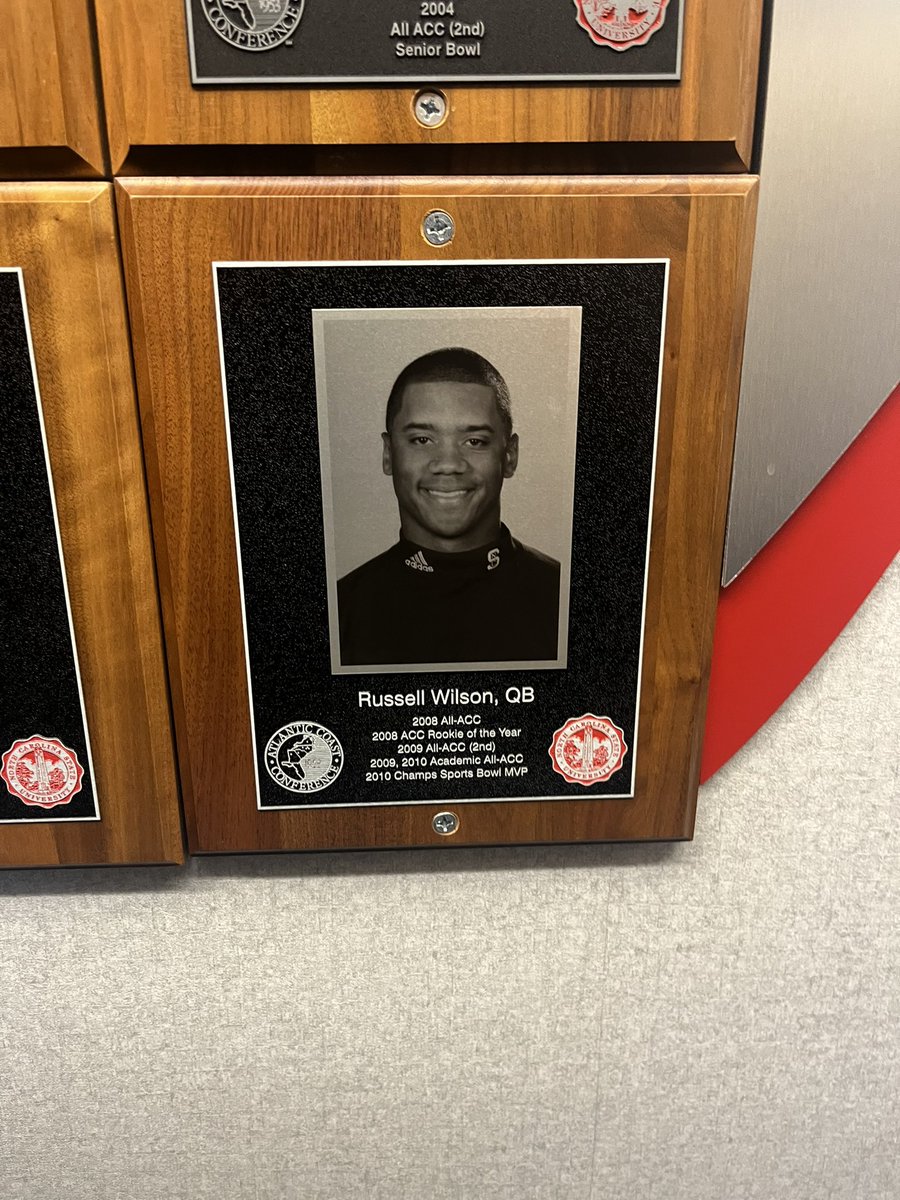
(430, 108)
(438, 228)
(445, 823)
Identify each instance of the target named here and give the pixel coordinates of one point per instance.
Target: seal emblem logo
(588, 749)
(621, 24)
(41, 771)
(254, 24)
(304, 757)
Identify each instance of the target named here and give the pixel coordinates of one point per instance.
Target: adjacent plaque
(487, 41)
(439, 526)
(659, 85)
(87, 772)
(51, 124)
(492, 647)
(46, 772)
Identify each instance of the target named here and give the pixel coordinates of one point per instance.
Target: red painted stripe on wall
(782, 613)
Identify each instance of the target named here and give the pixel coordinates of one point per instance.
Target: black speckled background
(38, 683)
(270, 368)
(341, 39)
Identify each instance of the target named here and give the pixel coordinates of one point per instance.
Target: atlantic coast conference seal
(304, 757)
(621, 24)
(41, 771)
(588, 749)
(254, 24)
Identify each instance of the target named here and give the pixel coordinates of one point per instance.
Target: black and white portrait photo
(447, 441)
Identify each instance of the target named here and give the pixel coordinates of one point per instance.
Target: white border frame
(418, 81)
(469, 262)
(62, 566)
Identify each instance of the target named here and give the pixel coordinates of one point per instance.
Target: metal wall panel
(824, 321)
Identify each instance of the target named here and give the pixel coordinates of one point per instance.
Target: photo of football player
(457, 586)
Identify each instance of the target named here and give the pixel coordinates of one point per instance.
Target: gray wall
(712, 1021)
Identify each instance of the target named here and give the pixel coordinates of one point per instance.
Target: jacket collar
(483, 560)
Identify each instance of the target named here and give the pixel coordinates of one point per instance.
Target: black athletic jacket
(499, 603)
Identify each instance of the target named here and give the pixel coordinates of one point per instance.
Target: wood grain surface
(150, 101)
(63, 236)
(50, 120)
(174, 229)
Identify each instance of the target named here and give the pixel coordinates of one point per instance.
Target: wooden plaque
(88, 774)
(701, 114)
(50, 122)
(269, 320)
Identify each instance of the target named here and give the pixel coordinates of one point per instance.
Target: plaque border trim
(418, 81)
(469, 262)
(62, 565)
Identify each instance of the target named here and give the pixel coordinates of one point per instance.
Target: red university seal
(621, 24)
(41, 771)
(588, 749)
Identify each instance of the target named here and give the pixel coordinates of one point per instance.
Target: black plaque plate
(46, 763)
(430, 41)
(423, 676)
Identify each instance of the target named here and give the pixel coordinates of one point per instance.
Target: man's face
(448, 455)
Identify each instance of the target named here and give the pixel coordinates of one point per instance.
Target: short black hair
(453, 364)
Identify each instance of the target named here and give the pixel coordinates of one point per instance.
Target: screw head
(430, 108)
(445, 823)
(438, 228)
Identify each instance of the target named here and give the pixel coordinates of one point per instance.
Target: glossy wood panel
(151, 103)
(63, 237)
(50, 115)
(174, 229)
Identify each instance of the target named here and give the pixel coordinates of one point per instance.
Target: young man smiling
(456, 587)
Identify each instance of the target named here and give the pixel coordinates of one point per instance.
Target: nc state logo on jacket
(621, 24)
(41, 771)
